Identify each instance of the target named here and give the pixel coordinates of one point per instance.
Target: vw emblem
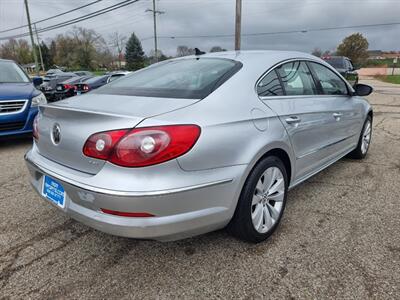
(56, 134)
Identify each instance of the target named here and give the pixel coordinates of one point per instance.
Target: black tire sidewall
(358, 152)
(243, 211)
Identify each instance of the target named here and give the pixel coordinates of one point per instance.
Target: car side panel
(235, 126)
(314, 134)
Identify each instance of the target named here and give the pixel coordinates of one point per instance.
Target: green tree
(355, 47)
(47, 59)
(52, 53)
(134, 54)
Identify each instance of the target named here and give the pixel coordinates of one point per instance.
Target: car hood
(16, 91)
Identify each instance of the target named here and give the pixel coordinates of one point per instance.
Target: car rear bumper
(180, 212)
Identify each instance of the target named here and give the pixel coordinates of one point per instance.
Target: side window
(331, 83)
(297, 79)
(270, 85)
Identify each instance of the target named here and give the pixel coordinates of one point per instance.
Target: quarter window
(297, 79)
(270, 85)
(331, 83)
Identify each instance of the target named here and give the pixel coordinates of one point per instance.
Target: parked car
(91, 84)
(67, 88)
(117, 74)
(19, 99)
(54, 72)
(50, 82)
(344, 66)
(83, 73)
(96, 82)
(195, 144)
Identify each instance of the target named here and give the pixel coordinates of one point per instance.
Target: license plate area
(53, 190)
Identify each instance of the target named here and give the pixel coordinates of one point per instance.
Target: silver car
(198, 143)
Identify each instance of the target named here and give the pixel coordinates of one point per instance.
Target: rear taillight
(68, 86)
(35, 128)
(142, 147)
(85, 87)
(100, 145)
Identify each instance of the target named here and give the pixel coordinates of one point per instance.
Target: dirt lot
(340, 238)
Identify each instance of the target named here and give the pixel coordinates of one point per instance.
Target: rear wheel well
(284, 157)
(371, 114)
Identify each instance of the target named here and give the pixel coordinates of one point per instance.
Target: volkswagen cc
(195, 144)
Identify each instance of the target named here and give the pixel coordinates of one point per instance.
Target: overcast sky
(214, 17)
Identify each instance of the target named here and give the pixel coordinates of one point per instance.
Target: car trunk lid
(76, 118)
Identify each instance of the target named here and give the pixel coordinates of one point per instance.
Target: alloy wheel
(366, 137)
(267, 202)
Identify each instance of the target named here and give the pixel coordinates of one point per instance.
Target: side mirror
(37, 81)
(363, 89)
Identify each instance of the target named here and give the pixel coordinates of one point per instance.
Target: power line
(76, 20)
(275, 32)
(49, 18)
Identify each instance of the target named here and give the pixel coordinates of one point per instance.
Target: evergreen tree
(52, 54)
(134, 54)
(47, 58)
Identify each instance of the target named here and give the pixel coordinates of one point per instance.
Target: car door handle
(293, 120)
(337, 115)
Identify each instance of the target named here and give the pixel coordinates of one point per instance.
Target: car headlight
(39, 100)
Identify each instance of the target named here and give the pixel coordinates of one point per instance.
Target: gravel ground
(339, 238)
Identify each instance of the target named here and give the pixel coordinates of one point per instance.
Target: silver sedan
(198, 143)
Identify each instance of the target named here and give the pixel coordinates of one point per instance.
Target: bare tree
(118, 41)
(184, 51)
(317, 52)
(217, 49)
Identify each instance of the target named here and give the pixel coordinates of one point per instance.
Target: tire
(360, 152)
(244, 224)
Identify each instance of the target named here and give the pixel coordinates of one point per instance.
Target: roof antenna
(197, 51)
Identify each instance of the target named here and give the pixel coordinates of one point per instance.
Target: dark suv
(344, 66)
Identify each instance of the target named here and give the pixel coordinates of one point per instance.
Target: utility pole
(31, 34)
(40, 50)
(155, 12)
(238, 24)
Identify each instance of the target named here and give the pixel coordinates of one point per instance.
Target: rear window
(96, 79)
(185, 78)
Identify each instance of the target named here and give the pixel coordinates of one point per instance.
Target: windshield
(185, 78)
(336, 62)
(10, 72)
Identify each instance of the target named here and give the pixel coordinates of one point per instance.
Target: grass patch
(98, 73)
(390, 78)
